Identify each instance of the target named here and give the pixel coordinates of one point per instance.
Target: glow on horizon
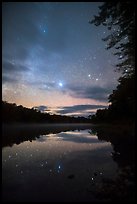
(48, 61)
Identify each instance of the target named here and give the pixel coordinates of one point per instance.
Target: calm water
(54, 163)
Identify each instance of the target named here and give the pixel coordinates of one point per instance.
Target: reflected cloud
(60, 154)
(71, 136)
(16, 134)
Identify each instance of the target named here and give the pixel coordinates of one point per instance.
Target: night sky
(53, 58)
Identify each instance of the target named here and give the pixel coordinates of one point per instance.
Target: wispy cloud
(11, 72)
(90, 92)
(81, 110)
(8, 79)
(41, 108)
(9, 67)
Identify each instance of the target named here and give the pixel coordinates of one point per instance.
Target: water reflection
(123, 143)
(15, 134)
(65, 164)
(122, 140)
(74, 136)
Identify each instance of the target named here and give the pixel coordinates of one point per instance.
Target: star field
(52, 56)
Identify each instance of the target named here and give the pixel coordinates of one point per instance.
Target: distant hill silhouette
(11, 113)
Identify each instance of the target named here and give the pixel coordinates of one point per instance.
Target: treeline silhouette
(122, 104)
(122, 40)
(11, 113)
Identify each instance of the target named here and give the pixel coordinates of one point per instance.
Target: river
(55, 163)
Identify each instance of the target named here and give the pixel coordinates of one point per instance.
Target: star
(46, 64)
(126, 38)
(60, 84)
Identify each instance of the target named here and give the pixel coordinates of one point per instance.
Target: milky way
(52, 56)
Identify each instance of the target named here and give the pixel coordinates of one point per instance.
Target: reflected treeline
(122, 139)
(122, 188)
(16, 134)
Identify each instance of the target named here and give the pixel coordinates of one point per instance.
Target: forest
(11, 113)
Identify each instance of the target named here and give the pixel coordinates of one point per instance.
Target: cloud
(79, 109)
(45, 85)
(9, 67)
(86, 92)
(76, 110)
(76, 91)
(8, 79)
(90, 92)
(12, 72)
(41, 108)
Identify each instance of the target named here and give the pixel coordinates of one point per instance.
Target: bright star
(60, 84)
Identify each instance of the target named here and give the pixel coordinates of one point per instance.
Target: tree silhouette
(119, 18)
(11, 113)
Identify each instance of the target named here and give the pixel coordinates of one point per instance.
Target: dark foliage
(119, 17)
(122, 103)
(11, 113)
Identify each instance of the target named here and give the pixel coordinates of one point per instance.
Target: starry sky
(54, 60)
